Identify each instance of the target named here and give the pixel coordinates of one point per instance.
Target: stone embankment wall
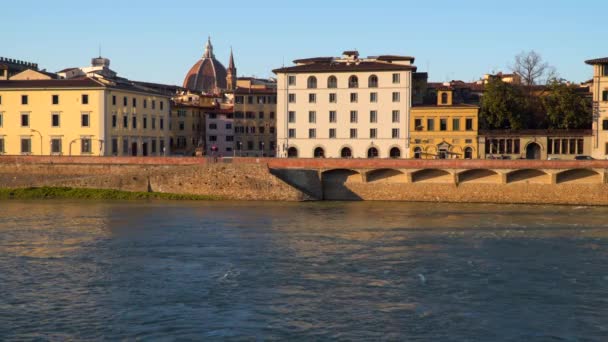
(517, 181)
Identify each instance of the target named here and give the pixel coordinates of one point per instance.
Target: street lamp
(71, 142)
(263, 154)
(40, 134)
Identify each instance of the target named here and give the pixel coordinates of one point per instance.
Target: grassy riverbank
(101, 194)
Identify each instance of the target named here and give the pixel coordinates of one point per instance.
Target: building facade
(82, 117)
(599, 89)
(10, 67)
(535, 144)
(346, 107)
(445, 130)
(220, 133)
(255, 108)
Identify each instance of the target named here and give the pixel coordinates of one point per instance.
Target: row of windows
(354, 97)
(345, 152)
(251, 115)
(353, 81)
(354, 116)
(134, 122)
(252, 130)
(125, 102)
(85, 120)
(443, 125)
(373, 133)
(272, 99)
(565, 146)
(56, 145)
(133, 148)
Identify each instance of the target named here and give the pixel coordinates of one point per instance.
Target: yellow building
(84, 116)
(445, 130)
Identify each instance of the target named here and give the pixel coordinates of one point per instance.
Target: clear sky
(158, 41)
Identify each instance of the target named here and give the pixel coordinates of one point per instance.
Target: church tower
(231, 73)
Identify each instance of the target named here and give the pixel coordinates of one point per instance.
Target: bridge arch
(579, 176)
(528, 176)
(479, 176)
(432, 176)
(386, 176)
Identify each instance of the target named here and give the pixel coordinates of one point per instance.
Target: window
(134, 122)
(85, 99)
(430, 124)
(162, 125)
(55, 120)
(468, 125)
(153, 104)
(56, 145)
(181, 126)
(250, 99)
(125, 146)
(572, 146)
(55, 99)
(373, 97)
(24, 99)
(228, 126)
(332, 133)
(272, 115)
(456, 124)
(605, 123)
(353, 116)
(162, 105)
(604, 94)
(395, 133)
(292, 98)
(230, 138)
(145, 122)
(145, 103)
(26, 145)
(291, 80)
(260, 115)
(396, 96)
(353, 97)
(396, 115)
(292, 132)
(312, 117)
(353, 133)
(372, 82)
(213, 126)
(418, 124)
(516, 146)
(2, 149)
(85, 145)
(443, 124)
(114, 146)
(312, 133)
(1, 119)
(272, 130)
(312, 98)
(444, 98)
(114, 100)
(84, 120)
(373, 116)
(606, 149)
(396, 78)
(25, 120)
(353, 82)
(373, 133)
(125, 121)
(332, 98)
(605, 70)
(332, 82)
(311, 83)
(333, 117)
(134, 101)
(213, 138)
(124, 101)
(292, 117)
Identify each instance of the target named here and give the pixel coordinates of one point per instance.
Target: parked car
(584, 158)
(552, 158)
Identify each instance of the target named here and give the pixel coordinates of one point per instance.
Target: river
(97, 270)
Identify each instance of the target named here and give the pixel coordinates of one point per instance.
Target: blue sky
(158, 41)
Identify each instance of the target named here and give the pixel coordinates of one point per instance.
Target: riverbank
(96, 194)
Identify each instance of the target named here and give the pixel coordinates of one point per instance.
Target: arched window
(372, 152)
(312, 82)
(332, 82)
(353, 82)
(395, 152)
(468, 153)
(444, 98)
(346, 152)
(373, 81)
(417, 153)
(319, 152)
(292, 152)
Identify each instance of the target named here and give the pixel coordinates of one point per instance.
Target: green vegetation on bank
(99, 194)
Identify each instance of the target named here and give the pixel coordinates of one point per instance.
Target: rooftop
(603, 60)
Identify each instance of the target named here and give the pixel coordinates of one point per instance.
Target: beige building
(187, 122)
(86, 116)
(255, 105)
(600, 107)
(347, 107)
(534, 144)
(445, 130)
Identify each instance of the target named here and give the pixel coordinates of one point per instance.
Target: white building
(220, 133)
(347, 107)
(599, 146)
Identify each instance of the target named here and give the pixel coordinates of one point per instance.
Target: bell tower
(231, 73)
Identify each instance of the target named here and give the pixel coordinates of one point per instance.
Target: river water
(89, 270)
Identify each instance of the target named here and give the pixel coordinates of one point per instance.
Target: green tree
(565, 108)
(503, 106)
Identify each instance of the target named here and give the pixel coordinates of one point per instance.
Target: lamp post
(71, 142)
(263, 154)
(100, 145)
(40, 134)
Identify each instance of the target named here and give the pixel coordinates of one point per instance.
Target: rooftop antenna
(99, 50)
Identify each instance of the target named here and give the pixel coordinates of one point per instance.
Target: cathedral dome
(208, 74)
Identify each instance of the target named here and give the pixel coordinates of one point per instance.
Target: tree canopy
(565, 108)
